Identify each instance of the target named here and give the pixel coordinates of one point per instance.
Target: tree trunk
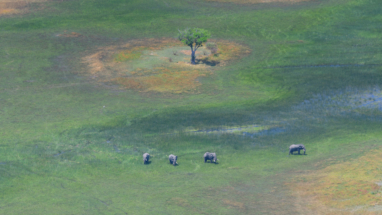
(192, 56)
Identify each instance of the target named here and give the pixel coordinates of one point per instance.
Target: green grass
(64, 153)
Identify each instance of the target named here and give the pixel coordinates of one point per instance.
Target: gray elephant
(172, 158)
(210, 156)
(297, 147)
(146, 157)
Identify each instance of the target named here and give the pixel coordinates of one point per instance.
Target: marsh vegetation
(87, 87)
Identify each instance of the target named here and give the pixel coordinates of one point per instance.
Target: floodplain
(88, 86)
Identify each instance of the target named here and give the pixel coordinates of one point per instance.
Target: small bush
(212, 47)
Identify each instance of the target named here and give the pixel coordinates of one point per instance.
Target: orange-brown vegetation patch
(131, 54)
(147, 65)
(72, 34)
(112, 56)
(226, 52)
(8, 7)
(345, 186)
(258, 1)
(165, 81)
(151, 44)
(234, 204)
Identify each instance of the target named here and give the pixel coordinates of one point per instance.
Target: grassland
(72, 144)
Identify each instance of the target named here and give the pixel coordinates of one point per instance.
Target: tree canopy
(193, 37)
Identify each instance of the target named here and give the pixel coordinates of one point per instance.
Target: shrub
(212, 47)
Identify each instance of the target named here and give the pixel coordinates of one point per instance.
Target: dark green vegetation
(71, 146)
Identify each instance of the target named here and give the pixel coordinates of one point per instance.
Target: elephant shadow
(212, 162)
(147, 163)
(176, 163)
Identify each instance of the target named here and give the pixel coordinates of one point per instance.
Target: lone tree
(194, 38)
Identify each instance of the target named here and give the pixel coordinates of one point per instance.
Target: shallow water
(347, 103)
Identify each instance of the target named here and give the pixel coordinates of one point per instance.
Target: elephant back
(293, 146)
(146, 155)
(301, 146)
(206, 155)
(172, 157)
(213, 155)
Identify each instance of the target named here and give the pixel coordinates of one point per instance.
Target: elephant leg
(299, 151)
(205, 160)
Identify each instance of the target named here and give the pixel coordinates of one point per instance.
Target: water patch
(271, 131)
(351, 102)
(346, 102)
(116, 149)
(369, 99)
(230, 130)
(250, 131)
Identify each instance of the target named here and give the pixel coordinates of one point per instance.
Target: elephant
(210, 156)
(146, 157)
(297, 147)
(172, 158)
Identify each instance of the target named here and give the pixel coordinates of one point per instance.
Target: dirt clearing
(160, 65)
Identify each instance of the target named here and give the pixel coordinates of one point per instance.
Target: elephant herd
(173, 158)
(212, 156)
